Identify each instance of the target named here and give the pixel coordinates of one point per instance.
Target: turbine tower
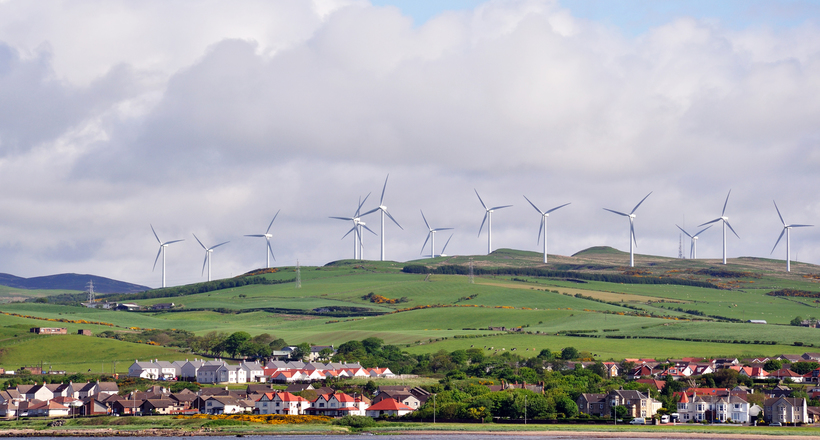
(544, 216)
(431, 235)
(632, 240)
(693, 247)
(384, 212)
(488, 217)
(786, 230)
(358, 224)
(208, 251)
(725, 221)
(162, 247)
(267, 235)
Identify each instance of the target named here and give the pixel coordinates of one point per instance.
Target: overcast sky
(209, 117)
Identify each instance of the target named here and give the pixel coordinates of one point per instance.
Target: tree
(569, 353)
(621, 411)
(372, 344)
(302, 352)
(233, 343)
(278, 344)
(566, 406)
(797, 321)
(325, 353)
(804, 367)
(599, 369)
(772, 365)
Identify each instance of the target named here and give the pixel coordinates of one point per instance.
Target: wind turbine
(208, 251)
(544, 216)
(632, 240)
(693, 247)
(384, 212)
(267, 235)
(725, 221)
(786, 230)
(162, 247)
(358, 224)
(488, 217)
(431, 235)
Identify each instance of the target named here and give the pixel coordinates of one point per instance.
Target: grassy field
(427, 312)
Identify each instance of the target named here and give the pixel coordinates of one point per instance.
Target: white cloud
(209, 118)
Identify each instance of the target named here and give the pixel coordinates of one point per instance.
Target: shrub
(356, 422)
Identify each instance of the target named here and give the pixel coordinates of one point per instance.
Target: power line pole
(680, 246)
(471, 271)
(90, 287)
(298, 275)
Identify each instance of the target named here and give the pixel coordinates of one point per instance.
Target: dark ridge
(70, 281)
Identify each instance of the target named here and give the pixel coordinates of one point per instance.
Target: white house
(713, 408)
(253, 370)
(145, 370)
(231, 374)
(388, 407)
(282, 403)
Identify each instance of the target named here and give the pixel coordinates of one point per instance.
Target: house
(85, 332)
(388, 407)
(654, 383)
(612, 369)
(592, 404)
(282, 403)
(316, 350)
(162, 306)
(253, 370)
(644, 370)
(208, 373)
(159, 406)
(91, 406)
(811, 356)
(791, 358)
(128, 307)
(49, 330)
(48, 409)
(712, 408)
(127, 407)
(785, 373)
(231, 374)
(753, 372)
(636, 403)
(227, 405)
(144, 370)
(38, 392)
(337, 404)
(404, 397)
(785, 410)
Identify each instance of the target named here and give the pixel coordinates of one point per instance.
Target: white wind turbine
(544, 216)
(431, 235)
(162, 247)
(384, 212)
(632, 240)
(786, 230)
(693, 247)
(267, 235)
(358, 224)
(442, 254)
(488, 217)
(725, 221)
(208, 251)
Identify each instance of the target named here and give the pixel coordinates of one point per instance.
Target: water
(483, 436)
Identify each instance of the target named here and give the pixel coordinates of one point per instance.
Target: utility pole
(298, 275)
(472, 281)
(90, 287)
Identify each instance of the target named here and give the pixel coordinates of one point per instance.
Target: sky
(210, 117)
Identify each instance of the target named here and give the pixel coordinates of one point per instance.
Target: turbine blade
(479, 199)
(800, 226)
(639, 203)
(203, 264)
(726, 203)
(394, 220)
(732, 229)
(687, 234)
(255, 235)
(557, 208)
(500, 207)
(370, 212)
(200, 243)
(365, 226)
(442, 229)
(425, 219)
(616, 212)
(778, 240)
(381, 200)
(362, 203)
(632, 229)
(350, 219)
(778, 213)
(482, 223)
(220, 244)
(271, 222)
(271, 251)
(540, 228)
(157, 259)
(710, 222)
(172, 242)
(425, 242)
(533, 205)
(692, 249)
(155, 234)
(445, 244)
(348, 232)
(702, 230)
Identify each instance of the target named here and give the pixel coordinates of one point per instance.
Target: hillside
(593, 301)
(70, 281)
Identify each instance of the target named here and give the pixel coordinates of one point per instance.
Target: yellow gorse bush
(270, 419)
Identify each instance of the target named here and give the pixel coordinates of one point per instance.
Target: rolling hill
(70, 281)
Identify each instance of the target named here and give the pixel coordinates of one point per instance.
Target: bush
(356, 422)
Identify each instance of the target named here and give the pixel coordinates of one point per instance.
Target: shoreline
(175, 432)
